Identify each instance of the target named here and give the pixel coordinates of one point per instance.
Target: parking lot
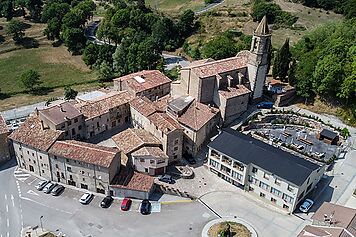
(64, 212)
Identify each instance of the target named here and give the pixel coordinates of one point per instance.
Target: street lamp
(41, 222)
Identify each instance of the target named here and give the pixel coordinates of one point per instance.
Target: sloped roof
(85, 152)
(232, 92)
(154, 152)
(164, 122)
(248, 150)
(213, 68)
(144, 80)
(132, 180)
(262, 28)
(103, 104)
(197, 115)
(143, 105)
(31, 134)
(132, 139)
(60, 113)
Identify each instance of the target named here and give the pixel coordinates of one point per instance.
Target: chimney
(61, 108)
(36, 111)
(42, 125)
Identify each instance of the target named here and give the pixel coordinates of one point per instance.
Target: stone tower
(258, 63)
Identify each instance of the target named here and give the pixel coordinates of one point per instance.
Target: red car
(126, 203)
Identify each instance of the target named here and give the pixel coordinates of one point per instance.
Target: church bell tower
(258, 63)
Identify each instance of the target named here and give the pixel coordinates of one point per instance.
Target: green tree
(15, 29)
(186, 23)
(53, 14)
(105, 72)
(90, 54)
(74, 39)
(282, 61)
(35, 8)
(31, 79)
(220, 47)
(7, 9)
(69, 93)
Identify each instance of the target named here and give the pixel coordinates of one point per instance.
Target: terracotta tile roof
(132, 139)
(144, 80)
(342, 216)
(85, 152)
(31, 133)
(132, 180)
(200, 62)
(318, 231)
(197, 115)
(143, 105)
(3, 126)
(275, 82)
(155, 152)
(59, 114)
(103, 104)
(225, 65)
(231, 92)
(162, 103)
(164, 122)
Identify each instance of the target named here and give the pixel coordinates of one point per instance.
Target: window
(263, 185)
(62, 175)
(277, 181)
(142, 160)
(273, 200)
(28, 152)
(152, 161)
(76, 120)
(83, 179)
(67, 160)
(287, 198)
(33, 154)
(266, 176)
(290, 188)
(84, 186)
(176, 141)
(252, 180)
(254, 170)
(69, 123)
(97, 124)
(42, 171)
(80, 127)
(40, 157)
(69, 169)
(175, 157)
(276, 192)
(213, 163)
(66, 133)
(214, 153)
(83, 172)
(236, 175)
(262, 195)
(175, 148)
(285, 206)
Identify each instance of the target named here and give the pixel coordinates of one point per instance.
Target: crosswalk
(21, 175)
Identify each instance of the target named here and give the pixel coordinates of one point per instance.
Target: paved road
(66, 214)
(209, 7)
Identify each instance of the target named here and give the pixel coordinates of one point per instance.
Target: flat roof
(92, 95)
(246, 149)
(328, 134)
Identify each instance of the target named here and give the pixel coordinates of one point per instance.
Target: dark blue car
(265, 105)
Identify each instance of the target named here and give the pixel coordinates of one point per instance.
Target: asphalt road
(65, 214)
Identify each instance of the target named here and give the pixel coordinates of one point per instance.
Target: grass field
(56, 66)
(175, 6)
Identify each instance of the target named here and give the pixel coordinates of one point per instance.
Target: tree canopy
(281, 61)
(31, 79)
(15, 29)
(326, 62)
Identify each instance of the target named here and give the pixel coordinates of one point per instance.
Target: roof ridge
(73, 142)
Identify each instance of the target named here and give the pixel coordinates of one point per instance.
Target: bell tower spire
(258, 63)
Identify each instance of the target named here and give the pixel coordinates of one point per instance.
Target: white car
(307, 204)
(86, 198)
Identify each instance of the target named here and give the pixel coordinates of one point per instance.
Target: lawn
(56, 67)
(175, 6)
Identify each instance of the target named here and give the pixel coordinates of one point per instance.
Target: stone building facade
(151, 84)
(229, 84)
(4, 142)
(84, 165)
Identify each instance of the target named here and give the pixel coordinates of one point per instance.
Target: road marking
(7, 222)
(12, 200)
(32, 192)
(7, 208)
(28, 199)
(5, 197)
(8, 234)
(32, 181)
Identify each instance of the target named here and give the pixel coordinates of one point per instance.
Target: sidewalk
(36, 231)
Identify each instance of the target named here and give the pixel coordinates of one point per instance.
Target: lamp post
(41, 222)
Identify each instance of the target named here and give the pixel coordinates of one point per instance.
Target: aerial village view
(181, 118)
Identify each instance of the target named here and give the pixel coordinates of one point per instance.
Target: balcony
(238, 166)
(226, 161)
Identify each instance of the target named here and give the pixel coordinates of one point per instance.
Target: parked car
(190, 159)
(166, 178)
(48, 188)
(145, 207)
(126, 203)
(41, 185)
(265, 105)
(57, 190)
(106, 202)
(307, 204)
(86, 198)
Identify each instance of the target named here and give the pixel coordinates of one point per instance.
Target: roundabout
(228, 227)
